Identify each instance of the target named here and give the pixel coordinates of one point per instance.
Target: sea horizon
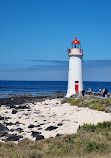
(8, 87)
(49, 81)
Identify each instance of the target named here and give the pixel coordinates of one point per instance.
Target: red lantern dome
(75, 41)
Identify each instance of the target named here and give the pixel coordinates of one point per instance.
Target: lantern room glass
(76, 45)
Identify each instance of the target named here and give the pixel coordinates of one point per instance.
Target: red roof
(75, 41)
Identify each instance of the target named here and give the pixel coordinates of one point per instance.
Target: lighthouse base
(72, 93)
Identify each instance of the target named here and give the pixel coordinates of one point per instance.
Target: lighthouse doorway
(76, 86)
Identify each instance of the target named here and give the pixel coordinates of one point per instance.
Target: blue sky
(34, 37)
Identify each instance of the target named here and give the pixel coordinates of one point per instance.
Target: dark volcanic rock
(58, 135)
(1, 118)
(58, 95)
(17, 123)
(13, 137)
(14, 111)
(3, 133)
(3, 128)
(60, 124)
(50, 128)
(38, 126)
(22, 107)
(6, 118)
(42, 124)
(12, 130)
(31, 126)
(19, 130)
(18, 100)
(39, 137)
(8, 123)
(35, 134)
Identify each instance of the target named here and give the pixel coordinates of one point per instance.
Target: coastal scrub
(90, 102)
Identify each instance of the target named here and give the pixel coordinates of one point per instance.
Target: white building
(75, 78)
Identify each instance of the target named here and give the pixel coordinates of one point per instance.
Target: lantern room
(76, 43)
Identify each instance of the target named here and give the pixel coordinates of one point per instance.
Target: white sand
(51, 113)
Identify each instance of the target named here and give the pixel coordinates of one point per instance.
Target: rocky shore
(42, 117)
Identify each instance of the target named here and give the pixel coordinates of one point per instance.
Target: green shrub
(64, 101)
(88, 127)
(94, 146)
(108, 109)
(73, 101)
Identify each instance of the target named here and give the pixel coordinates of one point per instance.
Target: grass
(90, 141)
(90, 102)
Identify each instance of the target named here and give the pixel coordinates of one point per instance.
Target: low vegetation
(90, 102)
(90, 141)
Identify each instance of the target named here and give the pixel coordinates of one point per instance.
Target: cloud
(97, 70)
(51, 62)
(93, 70)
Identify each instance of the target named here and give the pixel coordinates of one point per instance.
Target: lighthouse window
(75, 46)
(78, 45)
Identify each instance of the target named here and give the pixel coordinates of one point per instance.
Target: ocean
(45, 87)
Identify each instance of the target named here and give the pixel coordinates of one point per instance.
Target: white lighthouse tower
(75, 78)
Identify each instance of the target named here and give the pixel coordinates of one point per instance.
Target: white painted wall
(75, 51)
(75, 71)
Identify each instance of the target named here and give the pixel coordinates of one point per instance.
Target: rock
(12, 130)
(2, 134)
(50, 128)
(8, 123)
(6, 118)
(1, 118)
(39, 128)
(60, 124)
(16, 123)
(42, 124)
(58, 135)
(13, 137)
(58, 95)
(19, 130)
(14, 111)
(31, 126)
(18, 100)
(35, 134)
(22, 107)
(39, 137)
(3, 128)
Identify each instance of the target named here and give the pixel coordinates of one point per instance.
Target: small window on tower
(76, 81)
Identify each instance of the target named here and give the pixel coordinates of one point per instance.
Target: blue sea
(45, 87)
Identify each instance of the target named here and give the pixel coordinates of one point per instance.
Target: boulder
(13, 137)
(58, 135)
(39, 137)
(60, 124)
(3, 128)
(50, 128)
(35, 134)
(31, 126)
(14, 111)
(1, 118)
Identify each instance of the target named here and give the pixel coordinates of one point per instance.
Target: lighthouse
(75, 77)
